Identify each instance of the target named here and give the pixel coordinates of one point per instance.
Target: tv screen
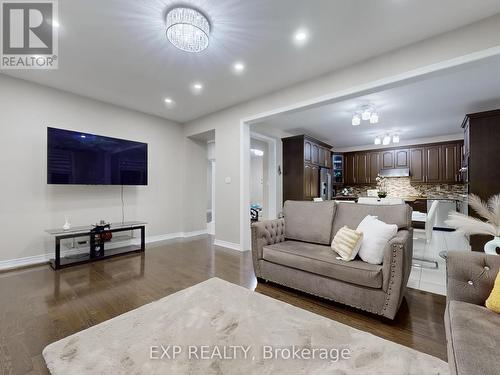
(86, 159)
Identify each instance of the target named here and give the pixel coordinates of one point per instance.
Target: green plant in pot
(468, 225)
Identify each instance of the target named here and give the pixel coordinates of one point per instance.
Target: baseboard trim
(11, 264)
(228, 245)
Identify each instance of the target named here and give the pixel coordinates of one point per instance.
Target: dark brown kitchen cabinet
(373, 166)
(428, 163)
(417, 173)
(307, 151)
(350, 168)
(315, 154)
(450, 162)
(387, 159)
(304, 158)
(432, 160)
(482, 158)
(328, 158)
(314, 182)
(362, 169)
(401, 158)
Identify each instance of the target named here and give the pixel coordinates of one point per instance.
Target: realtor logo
(29, 37)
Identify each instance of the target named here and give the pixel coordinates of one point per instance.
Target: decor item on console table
(469, 225)
(99, 232)
(67, 224)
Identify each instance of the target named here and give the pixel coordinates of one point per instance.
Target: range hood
(395, 172)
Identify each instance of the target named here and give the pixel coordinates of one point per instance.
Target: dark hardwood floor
(39, 306)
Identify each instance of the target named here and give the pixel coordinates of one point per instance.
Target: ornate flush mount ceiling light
(365, 113)
(188, 29)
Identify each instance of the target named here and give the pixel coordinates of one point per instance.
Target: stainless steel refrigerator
(325, 184)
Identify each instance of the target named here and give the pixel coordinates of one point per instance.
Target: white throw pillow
(347, 243)
(376, 235)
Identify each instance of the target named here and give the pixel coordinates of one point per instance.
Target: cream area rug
(216, 327)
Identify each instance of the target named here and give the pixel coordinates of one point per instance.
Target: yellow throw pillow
(347, 242)
(493, 301)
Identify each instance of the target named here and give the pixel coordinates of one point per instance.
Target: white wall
(414, 60)
(194, 186)
(28, 205)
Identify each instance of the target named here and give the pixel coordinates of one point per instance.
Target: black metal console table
(86, 231)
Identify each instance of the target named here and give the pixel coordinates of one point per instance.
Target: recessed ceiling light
(169, 101)
(197, 86)
(301, 36)
(239, 67)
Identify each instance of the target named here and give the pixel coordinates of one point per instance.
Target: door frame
(272, 175)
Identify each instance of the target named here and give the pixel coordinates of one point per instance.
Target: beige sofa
(472, 331)
(295, 252)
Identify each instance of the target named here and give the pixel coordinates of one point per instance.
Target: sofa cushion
(376, 236)
(352, 214)
(473, 339)
(309, 221)
(321, 260)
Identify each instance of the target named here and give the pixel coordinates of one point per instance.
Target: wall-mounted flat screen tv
(75, 158)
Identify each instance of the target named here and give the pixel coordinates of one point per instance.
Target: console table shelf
(92, 255)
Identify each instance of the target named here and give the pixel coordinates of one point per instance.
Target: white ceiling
(431, 107)
(117, 51)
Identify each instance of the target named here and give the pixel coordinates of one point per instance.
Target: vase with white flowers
(490, 211)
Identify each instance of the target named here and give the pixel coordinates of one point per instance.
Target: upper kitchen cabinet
(451, 162)
(362, 168)
(417, 169)
(373, 166)
(350, 168)
(401, 158)
(317, 152)
(387, 158)
(397, 158)
(433, 163)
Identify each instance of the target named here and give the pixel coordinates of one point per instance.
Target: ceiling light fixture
(197, 86)
(168, 101)
(365, 113)
(301, 36)
(356, 120)
(188, 29)
(239, 67)
(386, 140)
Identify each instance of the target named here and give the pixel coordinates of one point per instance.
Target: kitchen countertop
(406, 199)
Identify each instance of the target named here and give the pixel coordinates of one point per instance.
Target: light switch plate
(228, 180)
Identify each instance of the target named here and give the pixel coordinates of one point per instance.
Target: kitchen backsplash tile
(401, 187)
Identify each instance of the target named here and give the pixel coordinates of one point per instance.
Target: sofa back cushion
(352, 214)
(309, 221)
